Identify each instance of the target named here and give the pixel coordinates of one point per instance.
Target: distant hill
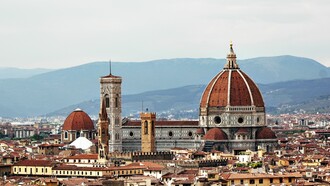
(47, 92)
(308, 95)
(319, 104)
(174, 100)
(8, 72)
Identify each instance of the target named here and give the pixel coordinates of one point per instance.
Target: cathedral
(232, 118)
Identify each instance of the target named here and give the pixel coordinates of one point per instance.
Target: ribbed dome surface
(78, 120)
(215, 134)
(231, 87)
(265, 133)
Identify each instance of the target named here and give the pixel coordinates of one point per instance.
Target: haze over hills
(9, 72)
(47, 92)
(309, 95)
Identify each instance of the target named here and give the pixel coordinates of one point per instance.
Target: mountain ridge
(13, 73)
(186, 99)
(47, 92)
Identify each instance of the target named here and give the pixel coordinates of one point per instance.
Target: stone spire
(103, 134)
(103, 116)
(231, 59)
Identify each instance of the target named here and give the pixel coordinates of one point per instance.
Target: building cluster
(230, 144)
(28, 129)
(301, 159)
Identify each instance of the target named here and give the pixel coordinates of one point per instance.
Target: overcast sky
(63, 33)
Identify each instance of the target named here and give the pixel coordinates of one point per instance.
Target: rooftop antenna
(110, 66)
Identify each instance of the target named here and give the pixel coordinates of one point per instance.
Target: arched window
(152, 128)
(145, 127)
(107, 101)
(66, 134)
(117, 121)
(116, 101)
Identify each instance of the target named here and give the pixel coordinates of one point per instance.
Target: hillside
(47, 92)
(308, 95)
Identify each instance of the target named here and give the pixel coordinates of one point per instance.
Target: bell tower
(111, 92)
(148, 131)
(103, 134)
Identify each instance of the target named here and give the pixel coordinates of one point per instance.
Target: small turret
(148, 131)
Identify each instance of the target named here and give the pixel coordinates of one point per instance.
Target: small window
(117, 121)
(152, 128)
(261, 181)
(117, 136)
(131, 134)
(170, 134)
(217, 119)
(107, 101)
(116, 102)
(190, 133)
(271, 180)
(145, 127)
(251, 181)
(240, 120)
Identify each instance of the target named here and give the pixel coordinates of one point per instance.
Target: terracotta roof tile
(83, 156)
(110, 76)
(34, 163)
(242, 131)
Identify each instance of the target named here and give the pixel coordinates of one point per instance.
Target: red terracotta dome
(265, 133)
(215, 134)
(78, 120)
(231, 87)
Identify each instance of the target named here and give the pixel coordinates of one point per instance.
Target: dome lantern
(231, 59)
